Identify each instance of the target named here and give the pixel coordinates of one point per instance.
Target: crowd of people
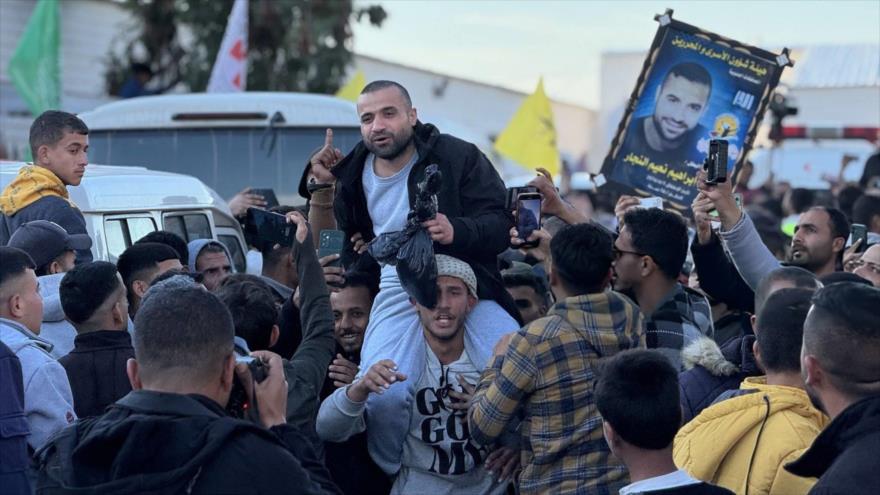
(616, 349)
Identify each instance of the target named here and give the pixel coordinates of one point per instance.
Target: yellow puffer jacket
(774, 424)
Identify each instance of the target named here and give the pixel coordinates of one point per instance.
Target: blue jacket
(48, 402)
(711, 371)
(13, 425)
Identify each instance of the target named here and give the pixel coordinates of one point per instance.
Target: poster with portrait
(695, 86)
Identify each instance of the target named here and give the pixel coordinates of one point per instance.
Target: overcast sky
(511, 43)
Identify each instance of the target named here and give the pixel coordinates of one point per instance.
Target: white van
(229, 141)
(123, 204)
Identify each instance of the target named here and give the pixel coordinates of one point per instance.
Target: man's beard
(670, 143)
(398, 146)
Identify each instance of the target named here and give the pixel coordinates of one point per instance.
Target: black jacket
(844, 456)
(349, 462)
(472, 196)
(53, 208)
(152, 443)
(96, 370)
(14, 430)
(719, 277)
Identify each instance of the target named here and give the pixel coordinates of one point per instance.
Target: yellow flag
(530, 137)
(353, 87)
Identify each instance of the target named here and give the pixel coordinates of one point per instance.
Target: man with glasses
(648, 256)
(868, 266)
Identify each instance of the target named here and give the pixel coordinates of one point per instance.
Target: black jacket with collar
(844, 456)
(154, 442)
(96, 370)
(472, 196)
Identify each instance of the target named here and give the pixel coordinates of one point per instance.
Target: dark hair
(865, 209)
(524, 280)
(50, 127)
(185, 328)
(780, 329)
(253, 311)
(840, 277)
(692, 72)
(837, 221)
(13, 262)
(362, 279)
(801, 199)
(847, 198)
(659, 234)
(799, 277)
(839, 226)
(170, 239)
(582, 255)
(138, 259)
(197, 278)
(637, 394)
(841, 331)
(85, 288)
(382, 84)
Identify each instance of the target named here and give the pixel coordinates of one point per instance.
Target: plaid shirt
(547, 376)
(680, 319)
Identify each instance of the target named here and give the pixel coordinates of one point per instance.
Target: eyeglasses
(874, 267)
(620, 252)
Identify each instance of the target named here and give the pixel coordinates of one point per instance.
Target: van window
(122, 232)
(231, 243)
(189, 227)
(225, 159)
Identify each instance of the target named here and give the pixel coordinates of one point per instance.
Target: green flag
(34, 68)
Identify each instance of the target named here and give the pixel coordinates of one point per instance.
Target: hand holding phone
(528, 216)
(859, 232)
(268, 195)
(270, 227)
(331, 242)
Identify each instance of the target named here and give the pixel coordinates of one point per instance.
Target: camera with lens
(239, 403)
(715, 163)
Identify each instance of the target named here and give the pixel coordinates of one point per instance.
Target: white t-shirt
(387, 197)
(438, 456)
(671, 480)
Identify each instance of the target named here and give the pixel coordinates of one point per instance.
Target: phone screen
(528, 214)
(272, 227)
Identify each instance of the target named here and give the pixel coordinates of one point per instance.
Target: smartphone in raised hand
(331, 242)
(528, 216)
(268, 195)
(271, 227)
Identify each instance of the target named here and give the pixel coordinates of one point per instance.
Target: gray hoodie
(48, 401)
(195, 247)
(752, 258)
(55, 330)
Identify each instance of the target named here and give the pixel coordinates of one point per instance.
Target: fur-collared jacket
(711, 370)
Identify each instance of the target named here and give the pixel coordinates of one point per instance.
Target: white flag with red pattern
(230, 69)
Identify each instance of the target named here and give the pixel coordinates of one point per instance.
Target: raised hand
(325, 159)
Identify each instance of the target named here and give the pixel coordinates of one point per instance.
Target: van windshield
(226, 159)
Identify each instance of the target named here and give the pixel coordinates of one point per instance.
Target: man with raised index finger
(375, 187)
